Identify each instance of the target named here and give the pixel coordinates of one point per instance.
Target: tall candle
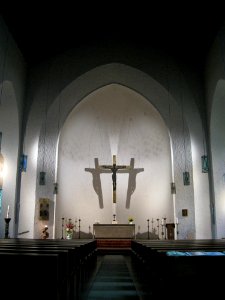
(177, 220)
(162, 222)
(7, 215)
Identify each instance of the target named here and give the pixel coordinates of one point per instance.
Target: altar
(114, 231)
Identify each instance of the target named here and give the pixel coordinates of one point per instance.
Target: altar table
(114, 231)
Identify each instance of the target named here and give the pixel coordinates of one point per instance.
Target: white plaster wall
(153, 92)
(200, 180)
(80, 77)
(114, 120)
(217, 147)
(28, 199)
(215, 88)
(10, 141)
(12, 82)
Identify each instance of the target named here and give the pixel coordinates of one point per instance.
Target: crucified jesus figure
(114, 168)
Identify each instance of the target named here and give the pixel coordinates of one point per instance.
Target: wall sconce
(42, 178)
(23, 163)
(1, 163)
(186, 178)
(205, 164)
(55, 190)
(1, 169)
(173, 188)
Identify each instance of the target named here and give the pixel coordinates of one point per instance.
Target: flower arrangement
(130, 219)
(69, 226)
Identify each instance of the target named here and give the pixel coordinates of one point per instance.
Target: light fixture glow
(1, 163)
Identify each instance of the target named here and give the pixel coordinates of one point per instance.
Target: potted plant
(69, 230)
(130, 220)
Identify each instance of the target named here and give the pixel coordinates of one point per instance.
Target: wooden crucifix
(114, 168)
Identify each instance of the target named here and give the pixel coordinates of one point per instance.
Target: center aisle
(113, 280)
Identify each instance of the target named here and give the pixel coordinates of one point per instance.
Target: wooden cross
(114, 168)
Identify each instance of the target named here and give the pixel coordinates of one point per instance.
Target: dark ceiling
(41, 36)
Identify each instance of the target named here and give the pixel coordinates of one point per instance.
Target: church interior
(112, 155)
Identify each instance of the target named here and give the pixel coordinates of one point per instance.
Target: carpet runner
(113, 280)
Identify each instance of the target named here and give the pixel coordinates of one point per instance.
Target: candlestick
(75, 226)
(62, 228)
(177, 231)
(152, 224)
(7, 215)
(148, 228)
(79, 228)
(158, 227)
(165, 227)
(7, 220)
(162, 232)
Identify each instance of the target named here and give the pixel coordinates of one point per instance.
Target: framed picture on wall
(44, 209)
(184, 212)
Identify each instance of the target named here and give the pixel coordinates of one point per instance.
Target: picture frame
(44, 209)
(184, 212)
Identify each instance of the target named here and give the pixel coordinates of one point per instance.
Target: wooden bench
(194, 272)
(62, 263)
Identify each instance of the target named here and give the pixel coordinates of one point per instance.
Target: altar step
(113, 245)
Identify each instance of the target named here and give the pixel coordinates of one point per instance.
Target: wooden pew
(191, 274)
(27, 275)
(67, 257)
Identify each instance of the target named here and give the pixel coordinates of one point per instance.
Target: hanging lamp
(204, 157)
(55, 185)
(172, 184)
(42, 174)
(23, 163)
(186, 174)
